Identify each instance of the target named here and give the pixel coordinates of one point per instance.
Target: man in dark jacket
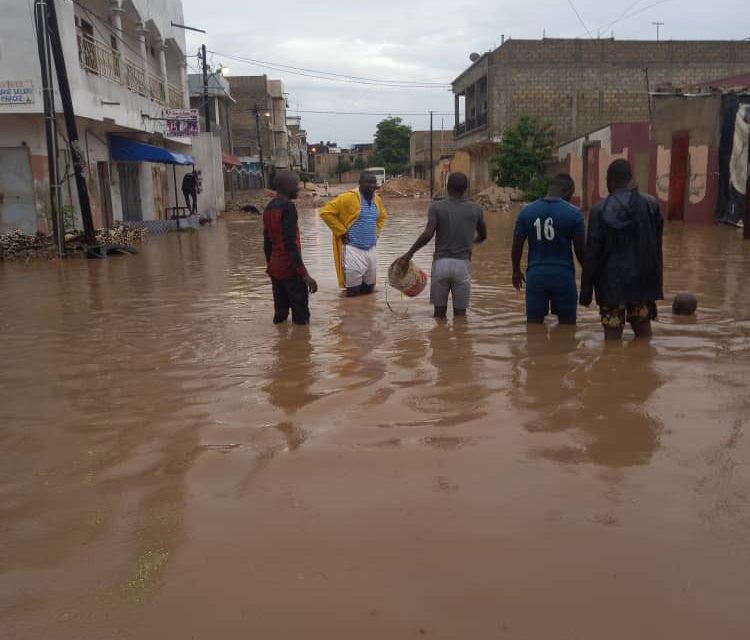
(190, 190)
(281, 243)
(623, 260)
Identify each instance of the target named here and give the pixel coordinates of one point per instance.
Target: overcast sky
(417, 40)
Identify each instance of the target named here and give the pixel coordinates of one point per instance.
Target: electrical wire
(580, 19)
(632, 14)
(333, 77)
(373, 113)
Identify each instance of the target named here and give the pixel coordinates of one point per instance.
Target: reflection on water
(600, 403)
(135, 392)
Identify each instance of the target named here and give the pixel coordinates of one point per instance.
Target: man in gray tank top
(457, 225)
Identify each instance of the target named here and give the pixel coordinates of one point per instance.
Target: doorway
(17, 205)
(130, 191)
(678, 175)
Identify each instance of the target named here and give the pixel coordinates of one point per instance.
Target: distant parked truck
(379, 173)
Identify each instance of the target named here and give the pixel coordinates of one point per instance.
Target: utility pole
(432, 162)
(70, 121)
(206, 105)
(648, 96)
(260, 146)
(50, 123)
(658, 25)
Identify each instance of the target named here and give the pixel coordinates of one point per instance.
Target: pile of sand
(404, 187)
(496, 198)
(255, 200)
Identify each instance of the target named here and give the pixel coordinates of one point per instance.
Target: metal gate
(130, 191)
(17, 206)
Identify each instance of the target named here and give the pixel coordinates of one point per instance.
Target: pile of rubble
(496, 198)
(404, 187)
(255, 200)
(122, 235)
(16, 245)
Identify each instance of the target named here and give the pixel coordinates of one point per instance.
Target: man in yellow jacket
(356, 219)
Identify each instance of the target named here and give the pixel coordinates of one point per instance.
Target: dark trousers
(290, 293)
(188, 195)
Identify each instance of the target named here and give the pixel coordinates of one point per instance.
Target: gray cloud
(416, 41)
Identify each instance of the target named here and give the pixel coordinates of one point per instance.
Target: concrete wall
(580, 85)
(207, 155)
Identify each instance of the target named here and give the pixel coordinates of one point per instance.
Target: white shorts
(360, 266)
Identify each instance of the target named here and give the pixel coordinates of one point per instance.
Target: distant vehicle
(379, 173)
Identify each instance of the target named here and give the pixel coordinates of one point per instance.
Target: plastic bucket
(409, 279)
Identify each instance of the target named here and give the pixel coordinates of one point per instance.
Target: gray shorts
(451, 276)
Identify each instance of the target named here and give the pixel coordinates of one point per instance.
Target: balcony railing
(156, 89)
(471, 123)
(96, 57)
(176, 99)
(136, 78)
(99, 58)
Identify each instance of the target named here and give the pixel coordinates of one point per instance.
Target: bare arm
(579, 242)
(426, 236)
(516, 253)
(481, 230)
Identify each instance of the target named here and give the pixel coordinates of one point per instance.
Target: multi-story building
(126, 65)
(259, 121)
(575, 85)
(297, 143)
(220, 103)
(422, 158)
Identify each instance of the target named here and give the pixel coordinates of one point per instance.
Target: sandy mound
(257, 199)
(496, 198)
(404, 187)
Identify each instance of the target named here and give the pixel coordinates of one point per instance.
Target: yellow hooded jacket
(340, 214)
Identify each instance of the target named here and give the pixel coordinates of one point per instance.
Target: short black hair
(563, 184)
(619, 174)
(367, 175)
(458, 183)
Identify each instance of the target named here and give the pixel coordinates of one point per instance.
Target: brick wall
(581, 85)
(247, 91)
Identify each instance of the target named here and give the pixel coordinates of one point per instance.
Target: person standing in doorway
(190, 191)
(553, 228)
(624, 263)
(457, 224)
(356, 219)
(290, 281)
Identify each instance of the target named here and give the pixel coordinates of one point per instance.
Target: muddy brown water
(174, 466)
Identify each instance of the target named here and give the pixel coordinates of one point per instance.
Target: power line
(334, 77)
(372, 113)
(580, 19)
(632, 14)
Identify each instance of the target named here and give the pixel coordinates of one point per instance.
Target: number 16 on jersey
(549, 229)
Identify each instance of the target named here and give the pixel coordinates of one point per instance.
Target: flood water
(174, 466)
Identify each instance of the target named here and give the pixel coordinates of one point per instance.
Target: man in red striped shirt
(281, 244)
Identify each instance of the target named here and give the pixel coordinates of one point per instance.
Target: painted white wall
(19, 59)
(207, 155)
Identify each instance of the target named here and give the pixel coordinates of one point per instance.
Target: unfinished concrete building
(576, 85)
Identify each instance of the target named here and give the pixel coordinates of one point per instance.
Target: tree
(523, 156)
(343, 167)
(392, 145)
(359, 163)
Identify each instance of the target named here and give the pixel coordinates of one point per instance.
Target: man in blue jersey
(552, 226)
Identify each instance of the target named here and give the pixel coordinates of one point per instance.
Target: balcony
(102, 60)
(471, 124)
(98, 58)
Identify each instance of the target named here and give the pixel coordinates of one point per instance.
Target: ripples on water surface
(376, 475)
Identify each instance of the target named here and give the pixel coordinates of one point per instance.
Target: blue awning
(125, 150)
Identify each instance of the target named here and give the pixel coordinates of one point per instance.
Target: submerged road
(174, 466)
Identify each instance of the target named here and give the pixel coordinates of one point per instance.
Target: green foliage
(360, 164)
(523, 156)
(392, 145)
(344, 166)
